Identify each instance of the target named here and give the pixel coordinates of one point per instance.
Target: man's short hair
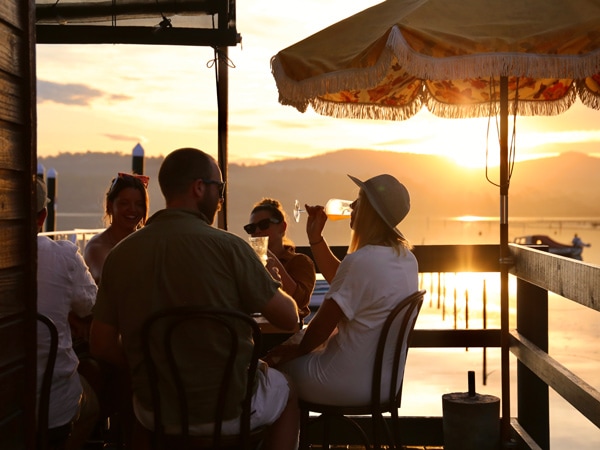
(41, 195)
(180, 168)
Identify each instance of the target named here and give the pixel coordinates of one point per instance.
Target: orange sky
(164, 98)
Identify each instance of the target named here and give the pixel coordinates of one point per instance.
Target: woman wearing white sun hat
(334, 359)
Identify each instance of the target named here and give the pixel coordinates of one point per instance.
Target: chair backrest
(46, 384)
(179, 336)
(393, 345)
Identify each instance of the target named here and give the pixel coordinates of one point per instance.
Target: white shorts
(268, 403)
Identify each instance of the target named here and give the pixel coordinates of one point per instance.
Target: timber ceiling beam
(91, 34)
(89, 11)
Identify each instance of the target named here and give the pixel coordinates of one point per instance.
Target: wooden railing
(79, 236)
(538, 273)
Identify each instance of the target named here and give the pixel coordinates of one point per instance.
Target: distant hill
(564, 186)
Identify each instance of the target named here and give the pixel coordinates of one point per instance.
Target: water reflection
(456, 301)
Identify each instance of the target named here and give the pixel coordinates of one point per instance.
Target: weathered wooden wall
(17, 227)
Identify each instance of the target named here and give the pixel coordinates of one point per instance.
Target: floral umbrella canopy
(389, 60)
(459, 59)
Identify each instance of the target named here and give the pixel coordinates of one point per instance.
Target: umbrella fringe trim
(479, 64)
(365, 111)
(295, 93)
(525, 108)
(588, 98)
(443, 110)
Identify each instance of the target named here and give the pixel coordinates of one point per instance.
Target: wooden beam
(89, 34)
(458, 258)
(563, 276)
(523, 438)
(577, 392)
(415, 431)
(85, 11)
(455, 338)
(444, 258)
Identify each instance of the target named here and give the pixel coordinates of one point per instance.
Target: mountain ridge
(561, 186)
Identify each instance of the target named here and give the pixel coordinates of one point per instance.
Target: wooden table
(267, 327)
(272, 335)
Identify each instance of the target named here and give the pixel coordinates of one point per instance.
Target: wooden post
(41, 171)
(137, 159)
(533, 402)
(51, 184)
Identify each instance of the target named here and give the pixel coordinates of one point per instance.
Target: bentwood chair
(177, 337)
(392, 346)
(55, 438)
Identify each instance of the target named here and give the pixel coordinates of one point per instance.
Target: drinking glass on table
(260, 244)
(335, 208)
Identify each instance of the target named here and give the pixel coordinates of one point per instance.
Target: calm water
(574, 329)
(430, 373)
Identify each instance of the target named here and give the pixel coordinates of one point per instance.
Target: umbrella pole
(505, 261)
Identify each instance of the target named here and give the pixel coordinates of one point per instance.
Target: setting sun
(471, 143)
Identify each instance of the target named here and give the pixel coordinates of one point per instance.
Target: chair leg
(396, 434)
(304, 422)
(382, 434)
(379, 429)
(326, 431)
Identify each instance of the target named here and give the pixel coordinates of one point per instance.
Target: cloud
(123, 137)
(72, 93)
(119, 97)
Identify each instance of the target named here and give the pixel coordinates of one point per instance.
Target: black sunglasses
(220, 186)
(261, 224)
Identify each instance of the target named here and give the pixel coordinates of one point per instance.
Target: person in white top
(64, 285)
(333, 362)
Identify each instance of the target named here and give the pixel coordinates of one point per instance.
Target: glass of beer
(335, 208)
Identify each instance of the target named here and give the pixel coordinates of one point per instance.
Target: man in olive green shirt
(180, 258)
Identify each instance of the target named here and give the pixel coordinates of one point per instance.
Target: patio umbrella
(459, 59)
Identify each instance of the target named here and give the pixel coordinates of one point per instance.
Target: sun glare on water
(474, 218)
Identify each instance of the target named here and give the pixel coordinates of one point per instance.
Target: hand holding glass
(335, 208)
(260, 244)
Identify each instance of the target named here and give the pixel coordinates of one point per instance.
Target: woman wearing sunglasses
(125, 210)
(296, 271)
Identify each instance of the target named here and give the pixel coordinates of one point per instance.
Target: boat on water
(556, 248)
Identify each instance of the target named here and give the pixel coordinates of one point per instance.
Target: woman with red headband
(125, 210)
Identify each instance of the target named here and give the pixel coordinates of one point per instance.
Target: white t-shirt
(64, 284)
(368, 284)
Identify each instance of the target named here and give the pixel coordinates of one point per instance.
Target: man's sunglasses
(220, 186)
(261, 224)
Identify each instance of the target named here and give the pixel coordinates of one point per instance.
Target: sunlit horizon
(164, 98)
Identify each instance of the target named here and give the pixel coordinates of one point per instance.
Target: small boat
(554, 247)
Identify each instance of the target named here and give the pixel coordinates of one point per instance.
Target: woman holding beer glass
(331, 360)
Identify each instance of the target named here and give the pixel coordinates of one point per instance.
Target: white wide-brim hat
(389, 198)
